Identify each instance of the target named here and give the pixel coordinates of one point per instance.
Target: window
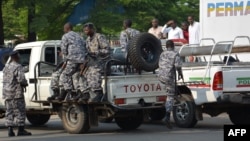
(49, 55)
(24, 56)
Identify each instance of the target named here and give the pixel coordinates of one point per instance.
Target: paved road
(210, 129)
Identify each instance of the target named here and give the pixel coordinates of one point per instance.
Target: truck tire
(157, 114)
(130, 122)
(38, 119)
(75, 118)
(144, 52)
(239, 116)
(184, 113)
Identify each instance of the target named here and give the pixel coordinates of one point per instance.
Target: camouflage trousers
(78, 81)
(170, 92)
(93, 78)
(15, 109)
(66, 76)
(54, 83)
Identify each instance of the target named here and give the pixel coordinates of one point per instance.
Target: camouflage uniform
(13, 93)
(168, 64)
(54, 83)
(99, 50)
(126, 35)
(74, 51)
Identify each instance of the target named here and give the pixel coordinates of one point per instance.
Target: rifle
(84, 67)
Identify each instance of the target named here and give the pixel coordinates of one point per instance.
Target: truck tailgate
(132, 88)
(236, 78)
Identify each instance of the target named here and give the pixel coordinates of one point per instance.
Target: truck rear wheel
(130, 122)
(184, 112)
(38, 119)
(75, 118)
(239, 116)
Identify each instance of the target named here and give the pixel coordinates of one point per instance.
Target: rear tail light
(161, 98)
(120, 101)
(218, 81)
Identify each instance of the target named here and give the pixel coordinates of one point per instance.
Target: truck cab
(30, 54)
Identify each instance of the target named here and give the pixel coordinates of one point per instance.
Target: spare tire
(144, 52)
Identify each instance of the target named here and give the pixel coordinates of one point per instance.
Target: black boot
(22, 132)
(62, 95)
(84, 97)
(167, 121)
(76, 96)
(10, 131)
(54, 96)
(98, 97)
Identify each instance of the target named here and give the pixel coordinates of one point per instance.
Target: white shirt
(194, 33)
(165, 29)
(156, 31)
(175, 33)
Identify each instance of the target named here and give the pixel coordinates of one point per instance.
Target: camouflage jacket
(168, 64)
(73, 47)
(98, 47)
(126, 36)
(13, 80)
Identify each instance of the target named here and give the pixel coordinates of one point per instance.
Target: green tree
(108, 19)
(1, 24)
(45, 18)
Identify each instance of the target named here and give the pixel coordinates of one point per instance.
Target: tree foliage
(107, 15)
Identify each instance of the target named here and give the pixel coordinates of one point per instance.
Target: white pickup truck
(214, 83)
(130, 95)
(214, 87)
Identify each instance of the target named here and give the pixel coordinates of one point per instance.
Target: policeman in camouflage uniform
(14, 85)
(98, 52)
(74, 52)
(169, 63)
(127, 34)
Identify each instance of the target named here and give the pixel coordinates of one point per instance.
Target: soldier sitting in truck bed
(74, 52)
(98, 52)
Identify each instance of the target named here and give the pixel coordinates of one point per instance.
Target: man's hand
(169, 23)
(24, 87)
(180, 75)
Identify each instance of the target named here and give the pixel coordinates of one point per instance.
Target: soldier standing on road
(14, 86)
(74, 52)
(127, 34)
(169, 63)
(98, 52)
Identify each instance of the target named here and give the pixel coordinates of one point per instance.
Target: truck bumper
(234, 98)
